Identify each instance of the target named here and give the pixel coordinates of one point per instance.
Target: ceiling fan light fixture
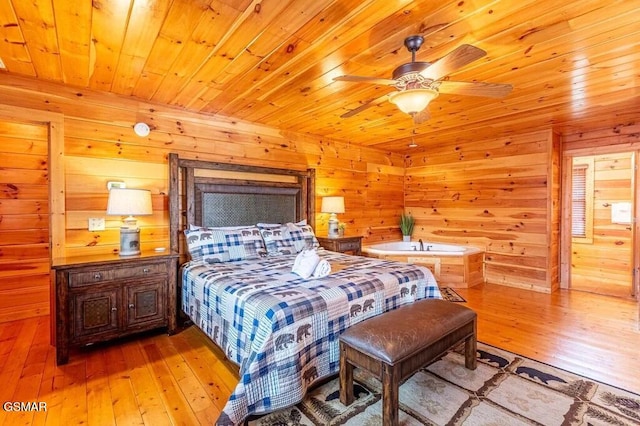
(412, 101)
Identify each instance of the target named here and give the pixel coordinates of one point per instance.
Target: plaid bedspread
(283, 330)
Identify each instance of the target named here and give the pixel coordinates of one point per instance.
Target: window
(582, 201)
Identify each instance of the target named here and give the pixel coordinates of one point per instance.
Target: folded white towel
(322, 269)
(305, 263)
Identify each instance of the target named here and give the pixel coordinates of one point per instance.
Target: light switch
(96, 224)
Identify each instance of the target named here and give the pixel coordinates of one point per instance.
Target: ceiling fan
(418, 83)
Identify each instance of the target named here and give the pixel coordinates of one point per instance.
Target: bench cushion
(399, 334)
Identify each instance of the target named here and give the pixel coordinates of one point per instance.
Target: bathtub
(453, 265)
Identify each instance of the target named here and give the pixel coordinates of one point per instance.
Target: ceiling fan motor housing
(409, 68)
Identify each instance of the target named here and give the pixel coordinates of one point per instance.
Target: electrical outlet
(96, 224)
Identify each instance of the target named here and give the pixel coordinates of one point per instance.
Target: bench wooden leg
(470, 348)
(346, 377)
(390, 394)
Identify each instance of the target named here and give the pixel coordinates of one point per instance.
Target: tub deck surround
(413, 247)
(453, 265)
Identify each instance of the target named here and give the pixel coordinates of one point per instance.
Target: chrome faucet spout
(421, 244)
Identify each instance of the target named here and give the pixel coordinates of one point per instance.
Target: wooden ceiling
(574, 65)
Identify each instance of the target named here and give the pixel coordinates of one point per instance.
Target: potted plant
(341, 227)
(406, 226)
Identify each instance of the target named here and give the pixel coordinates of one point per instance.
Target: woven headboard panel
(232, 205)
(206, 193)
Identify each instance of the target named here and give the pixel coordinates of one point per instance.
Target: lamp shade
(412, 101)
(126, 201)
(332, 205)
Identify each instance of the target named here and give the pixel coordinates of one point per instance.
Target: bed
(238, 287)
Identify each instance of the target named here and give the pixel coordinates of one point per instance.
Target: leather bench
(396, 344)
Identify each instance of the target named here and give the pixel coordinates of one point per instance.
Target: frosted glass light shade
(412, 101)
(141, 129)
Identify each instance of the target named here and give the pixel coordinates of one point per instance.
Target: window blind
(579, 201)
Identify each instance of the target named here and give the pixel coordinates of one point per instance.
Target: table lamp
(333, 205)
(128, 202)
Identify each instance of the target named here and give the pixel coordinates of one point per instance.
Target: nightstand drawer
(342, 244)
(349, 245)
(140, 271)
(90, 277)
(81, 278)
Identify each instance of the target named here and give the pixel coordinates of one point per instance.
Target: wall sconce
(141, 129)
(333, 205)
(129, 202)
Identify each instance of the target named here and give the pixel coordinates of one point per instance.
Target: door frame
(565, 234)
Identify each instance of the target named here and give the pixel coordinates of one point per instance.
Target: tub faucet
(421, 244)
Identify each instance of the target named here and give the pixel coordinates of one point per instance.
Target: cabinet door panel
(94, 312)
(146, 302)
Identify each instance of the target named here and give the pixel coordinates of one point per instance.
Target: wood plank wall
(100, 145)
(625, 137)
(24, 220)
(497, 195)
(604, 265)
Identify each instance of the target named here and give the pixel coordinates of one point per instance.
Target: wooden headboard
(206, 193)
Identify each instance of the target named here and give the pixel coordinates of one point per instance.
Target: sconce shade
(412, 101)
(127, 202)
(332, 205)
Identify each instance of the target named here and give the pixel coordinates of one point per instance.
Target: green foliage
(406, 224)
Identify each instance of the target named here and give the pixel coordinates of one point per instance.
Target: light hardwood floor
(182, 379)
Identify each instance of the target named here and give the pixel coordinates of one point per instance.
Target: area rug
(505, 389)
(450, 294)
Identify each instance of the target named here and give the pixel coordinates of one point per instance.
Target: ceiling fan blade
(422, 116)
(364, 106)
(489, 90)
(461, 56)
(361, 79)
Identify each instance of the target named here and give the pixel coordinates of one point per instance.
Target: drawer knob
(114, 309)
(131, 305)
(97, 276)
(146, 270)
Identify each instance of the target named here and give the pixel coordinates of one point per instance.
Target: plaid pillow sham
(215, 245)
(289, 238)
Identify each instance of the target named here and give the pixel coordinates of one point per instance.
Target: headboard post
(174, 204)
(311, 197)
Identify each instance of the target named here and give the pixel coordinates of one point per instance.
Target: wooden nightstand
(342, 244)
(103, 297)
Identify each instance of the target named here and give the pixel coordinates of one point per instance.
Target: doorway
(32, 209)
(601, 223)
(24, 228)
